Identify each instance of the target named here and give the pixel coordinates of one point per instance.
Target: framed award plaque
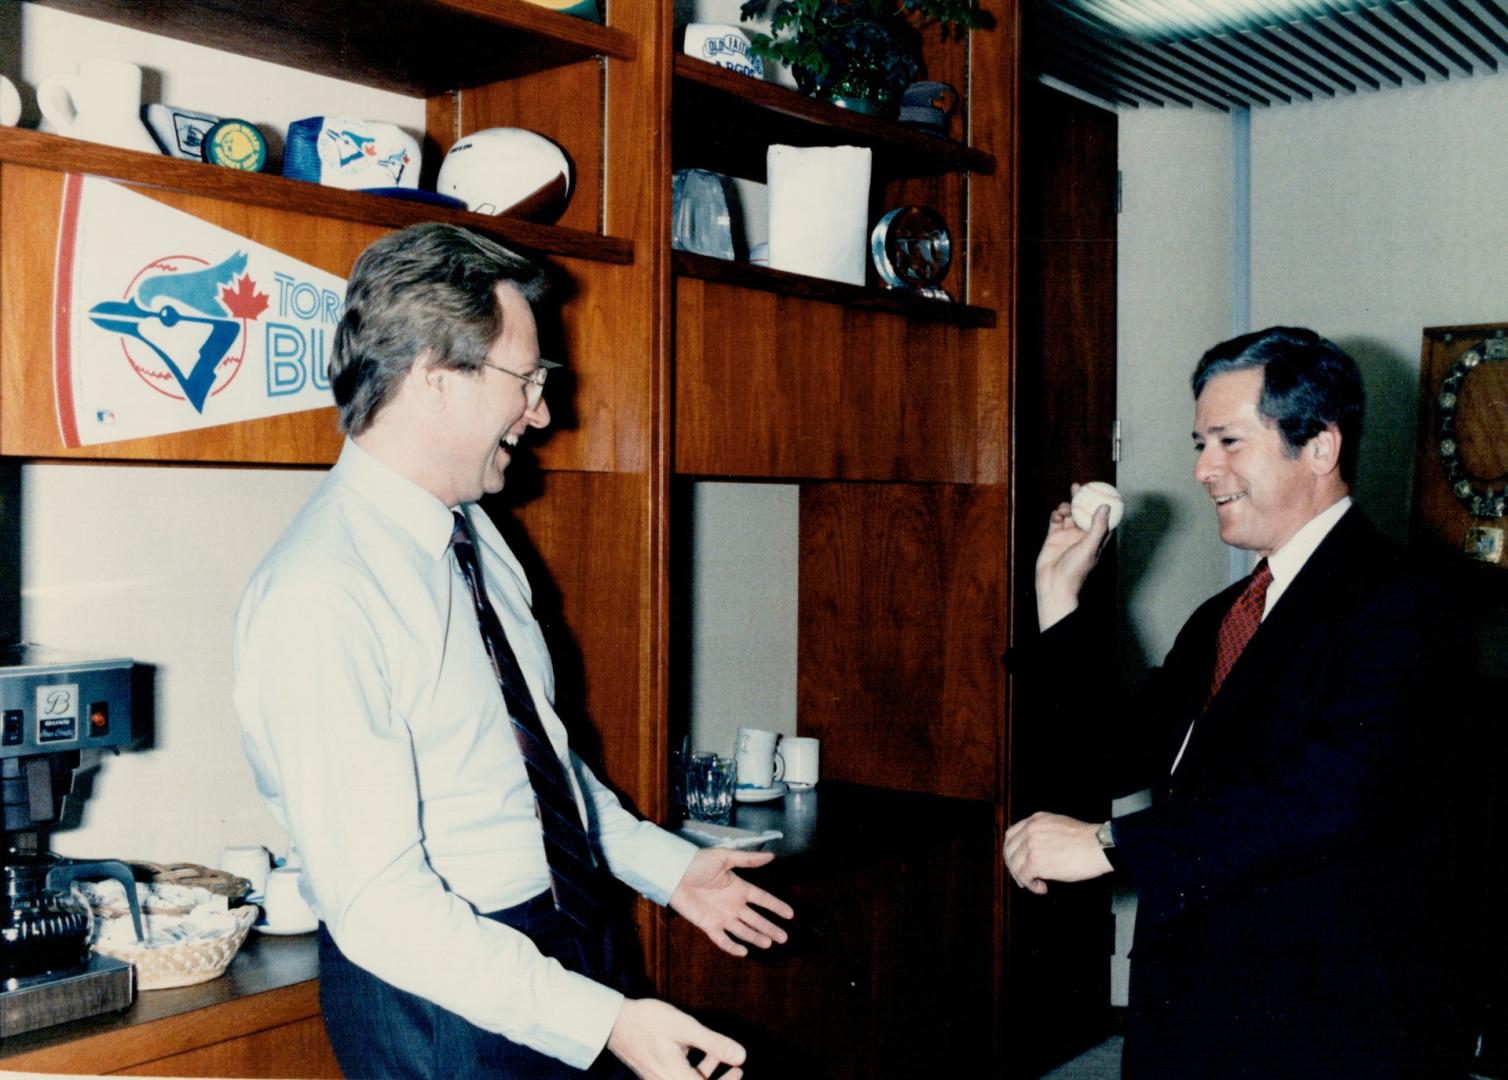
(1461, 476)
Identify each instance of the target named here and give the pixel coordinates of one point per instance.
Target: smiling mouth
(1226, 500)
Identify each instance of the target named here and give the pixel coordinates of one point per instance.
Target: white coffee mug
(284, 903)
(724, 45)
(250, 861)
(102, 104)
(755, 754)
(801, 756)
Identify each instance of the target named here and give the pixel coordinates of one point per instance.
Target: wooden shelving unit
(416, 47)
(892, 412)
(725, 121)
(736, 117)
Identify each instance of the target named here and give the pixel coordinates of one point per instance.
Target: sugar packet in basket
(191, 934)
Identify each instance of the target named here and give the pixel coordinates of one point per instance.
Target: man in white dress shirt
(378, 735)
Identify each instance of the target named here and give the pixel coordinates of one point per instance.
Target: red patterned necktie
(567, 849)
(1238, 626)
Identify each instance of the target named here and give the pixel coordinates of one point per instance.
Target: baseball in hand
(1090, 497)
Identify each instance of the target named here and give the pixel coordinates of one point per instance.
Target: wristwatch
(1105, 835)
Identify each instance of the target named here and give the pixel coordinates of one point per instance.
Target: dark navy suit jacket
(1290, 873)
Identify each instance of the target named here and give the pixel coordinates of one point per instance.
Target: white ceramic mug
(102, 104)
(283, 902)
(755, 753)
(249, 861)
(801, 756)
(724, 45)
(10, 102)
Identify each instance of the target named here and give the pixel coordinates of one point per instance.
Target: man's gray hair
(424, 292)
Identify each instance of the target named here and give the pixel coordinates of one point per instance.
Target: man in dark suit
(1290, 866)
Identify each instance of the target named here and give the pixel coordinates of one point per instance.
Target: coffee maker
(54, 705)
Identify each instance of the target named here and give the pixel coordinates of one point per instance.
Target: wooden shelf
(71, 155)
(417, 47)
(916, 308)
(725, 121)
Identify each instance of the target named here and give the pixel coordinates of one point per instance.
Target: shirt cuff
(660, 861)
(589, 1011)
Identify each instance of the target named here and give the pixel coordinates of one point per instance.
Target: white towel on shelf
(819, 210)
(709, 834)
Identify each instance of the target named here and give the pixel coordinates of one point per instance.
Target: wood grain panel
(1066, 298)
(184, 1033)
(299, 1049)
(564, 105)
(583, 540)
(600, 404)
(781, 386)
(901, 630)
(884, 974)
(1058, 979)
(636, 204)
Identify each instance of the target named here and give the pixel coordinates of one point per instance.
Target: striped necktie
(567, 849)
(1238, 626)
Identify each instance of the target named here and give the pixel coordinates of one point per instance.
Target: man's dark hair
(1308, 383)
(425, 291)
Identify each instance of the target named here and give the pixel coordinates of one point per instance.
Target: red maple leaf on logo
(244, 301)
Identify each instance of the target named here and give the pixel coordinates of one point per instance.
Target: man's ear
(428, 382)
(1323, 451)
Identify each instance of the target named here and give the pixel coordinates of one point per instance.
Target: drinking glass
(709, 788)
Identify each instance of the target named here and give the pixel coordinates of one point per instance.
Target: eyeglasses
(534, 382)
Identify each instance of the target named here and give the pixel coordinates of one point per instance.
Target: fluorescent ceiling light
(1201, 16)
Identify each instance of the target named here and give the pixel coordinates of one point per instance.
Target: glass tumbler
(710, 780)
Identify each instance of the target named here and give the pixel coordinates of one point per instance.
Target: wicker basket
(218, 882)
(187, 963)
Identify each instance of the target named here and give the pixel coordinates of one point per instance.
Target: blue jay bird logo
(178, 325)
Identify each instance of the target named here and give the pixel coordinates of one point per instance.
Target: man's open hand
(722, 904)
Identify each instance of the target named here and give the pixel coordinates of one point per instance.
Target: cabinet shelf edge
(917, 308)
(886, 137)
(21, 147)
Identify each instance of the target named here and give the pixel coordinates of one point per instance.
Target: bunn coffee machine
(53, 705)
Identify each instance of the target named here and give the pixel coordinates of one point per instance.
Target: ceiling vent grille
(1130, 53)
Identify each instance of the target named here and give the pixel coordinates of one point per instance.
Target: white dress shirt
(1286, 562)
(379, 738)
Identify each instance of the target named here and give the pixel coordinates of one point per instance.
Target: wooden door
(1059, 945)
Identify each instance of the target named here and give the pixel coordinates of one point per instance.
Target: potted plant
(859, 54)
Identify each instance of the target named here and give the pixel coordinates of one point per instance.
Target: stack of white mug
(275, 888)
(765, 758)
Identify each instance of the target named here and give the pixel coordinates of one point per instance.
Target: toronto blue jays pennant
(164, 322)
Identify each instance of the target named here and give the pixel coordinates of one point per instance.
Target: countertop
(263, 964)
(836, 827)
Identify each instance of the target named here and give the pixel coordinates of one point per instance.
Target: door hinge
(1115, 441)
(1119, 190)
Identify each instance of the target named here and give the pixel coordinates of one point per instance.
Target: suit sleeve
(1085, 733)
